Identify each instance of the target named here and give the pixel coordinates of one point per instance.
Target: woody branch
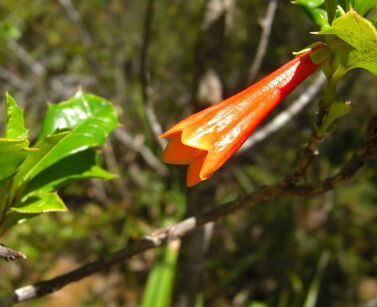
(161, 236)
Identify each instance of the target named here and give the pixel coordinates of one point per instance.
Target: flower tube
(207, 139)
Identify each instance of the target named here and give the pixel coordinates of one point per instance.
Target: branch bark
(144, 151)
(207, 89)
(10, 254)
(161, 236)
(84, 34)
(36, 67)
(146, 89)
(192, 253)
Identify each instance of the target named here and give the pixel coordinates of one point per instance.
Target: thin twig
(120, 80)
(164, 235)
(146, 89)
(155, 125)
(266, 24)
(10, 254)
(35, 66)
(310, 150)
(75, 17)
(84, 34)
(285, 116)
(14, 80)
(368, 151)
(144, 151)
(371, 303)
(207, 89)
(155, 239)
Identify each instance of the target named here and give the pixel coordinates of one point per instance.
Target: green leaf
(353, 39)
(12, 154)
(86, 121)
(331, 9)
(39, 159)
(40, 202)
(314, 9)
(64, 151)
(310, 3)
(363, 6)
(14, 120)
(373, 19)
(345, 5)
(9, 31)
(158, 290)
(89, 116)
(33, 205)
(78, 166)
(314, 289)
(337, 110)
(319, 16)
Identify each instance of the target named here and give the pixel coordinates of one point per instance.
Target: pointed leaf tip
(14, 120)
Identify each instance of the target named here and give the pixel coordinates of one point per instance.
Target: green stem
(318, 133)
(4, 201)
(329, 97)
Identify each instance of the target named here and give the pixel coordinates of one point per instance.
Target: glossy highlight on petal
(207, 139)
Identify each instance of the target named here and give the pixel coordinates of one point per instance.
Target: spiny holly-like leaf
(40, 202)
(39, 159)
(355, 42)
(88, 116)
(82, 165)
(33, 205)
(86, 120)
(14, 120)
(65, 151)
(12, 154)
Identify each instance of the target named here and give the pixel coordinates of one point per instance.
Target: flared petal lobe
(178, 153)
(207, 139)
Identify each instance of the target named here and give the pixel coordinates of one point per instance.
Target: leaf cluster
(65, 150)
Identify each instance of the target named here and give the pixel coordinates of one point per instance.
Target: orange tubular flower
(207, 139)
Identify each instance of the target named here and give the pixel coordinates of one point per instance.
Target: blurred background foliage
(319, 251)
